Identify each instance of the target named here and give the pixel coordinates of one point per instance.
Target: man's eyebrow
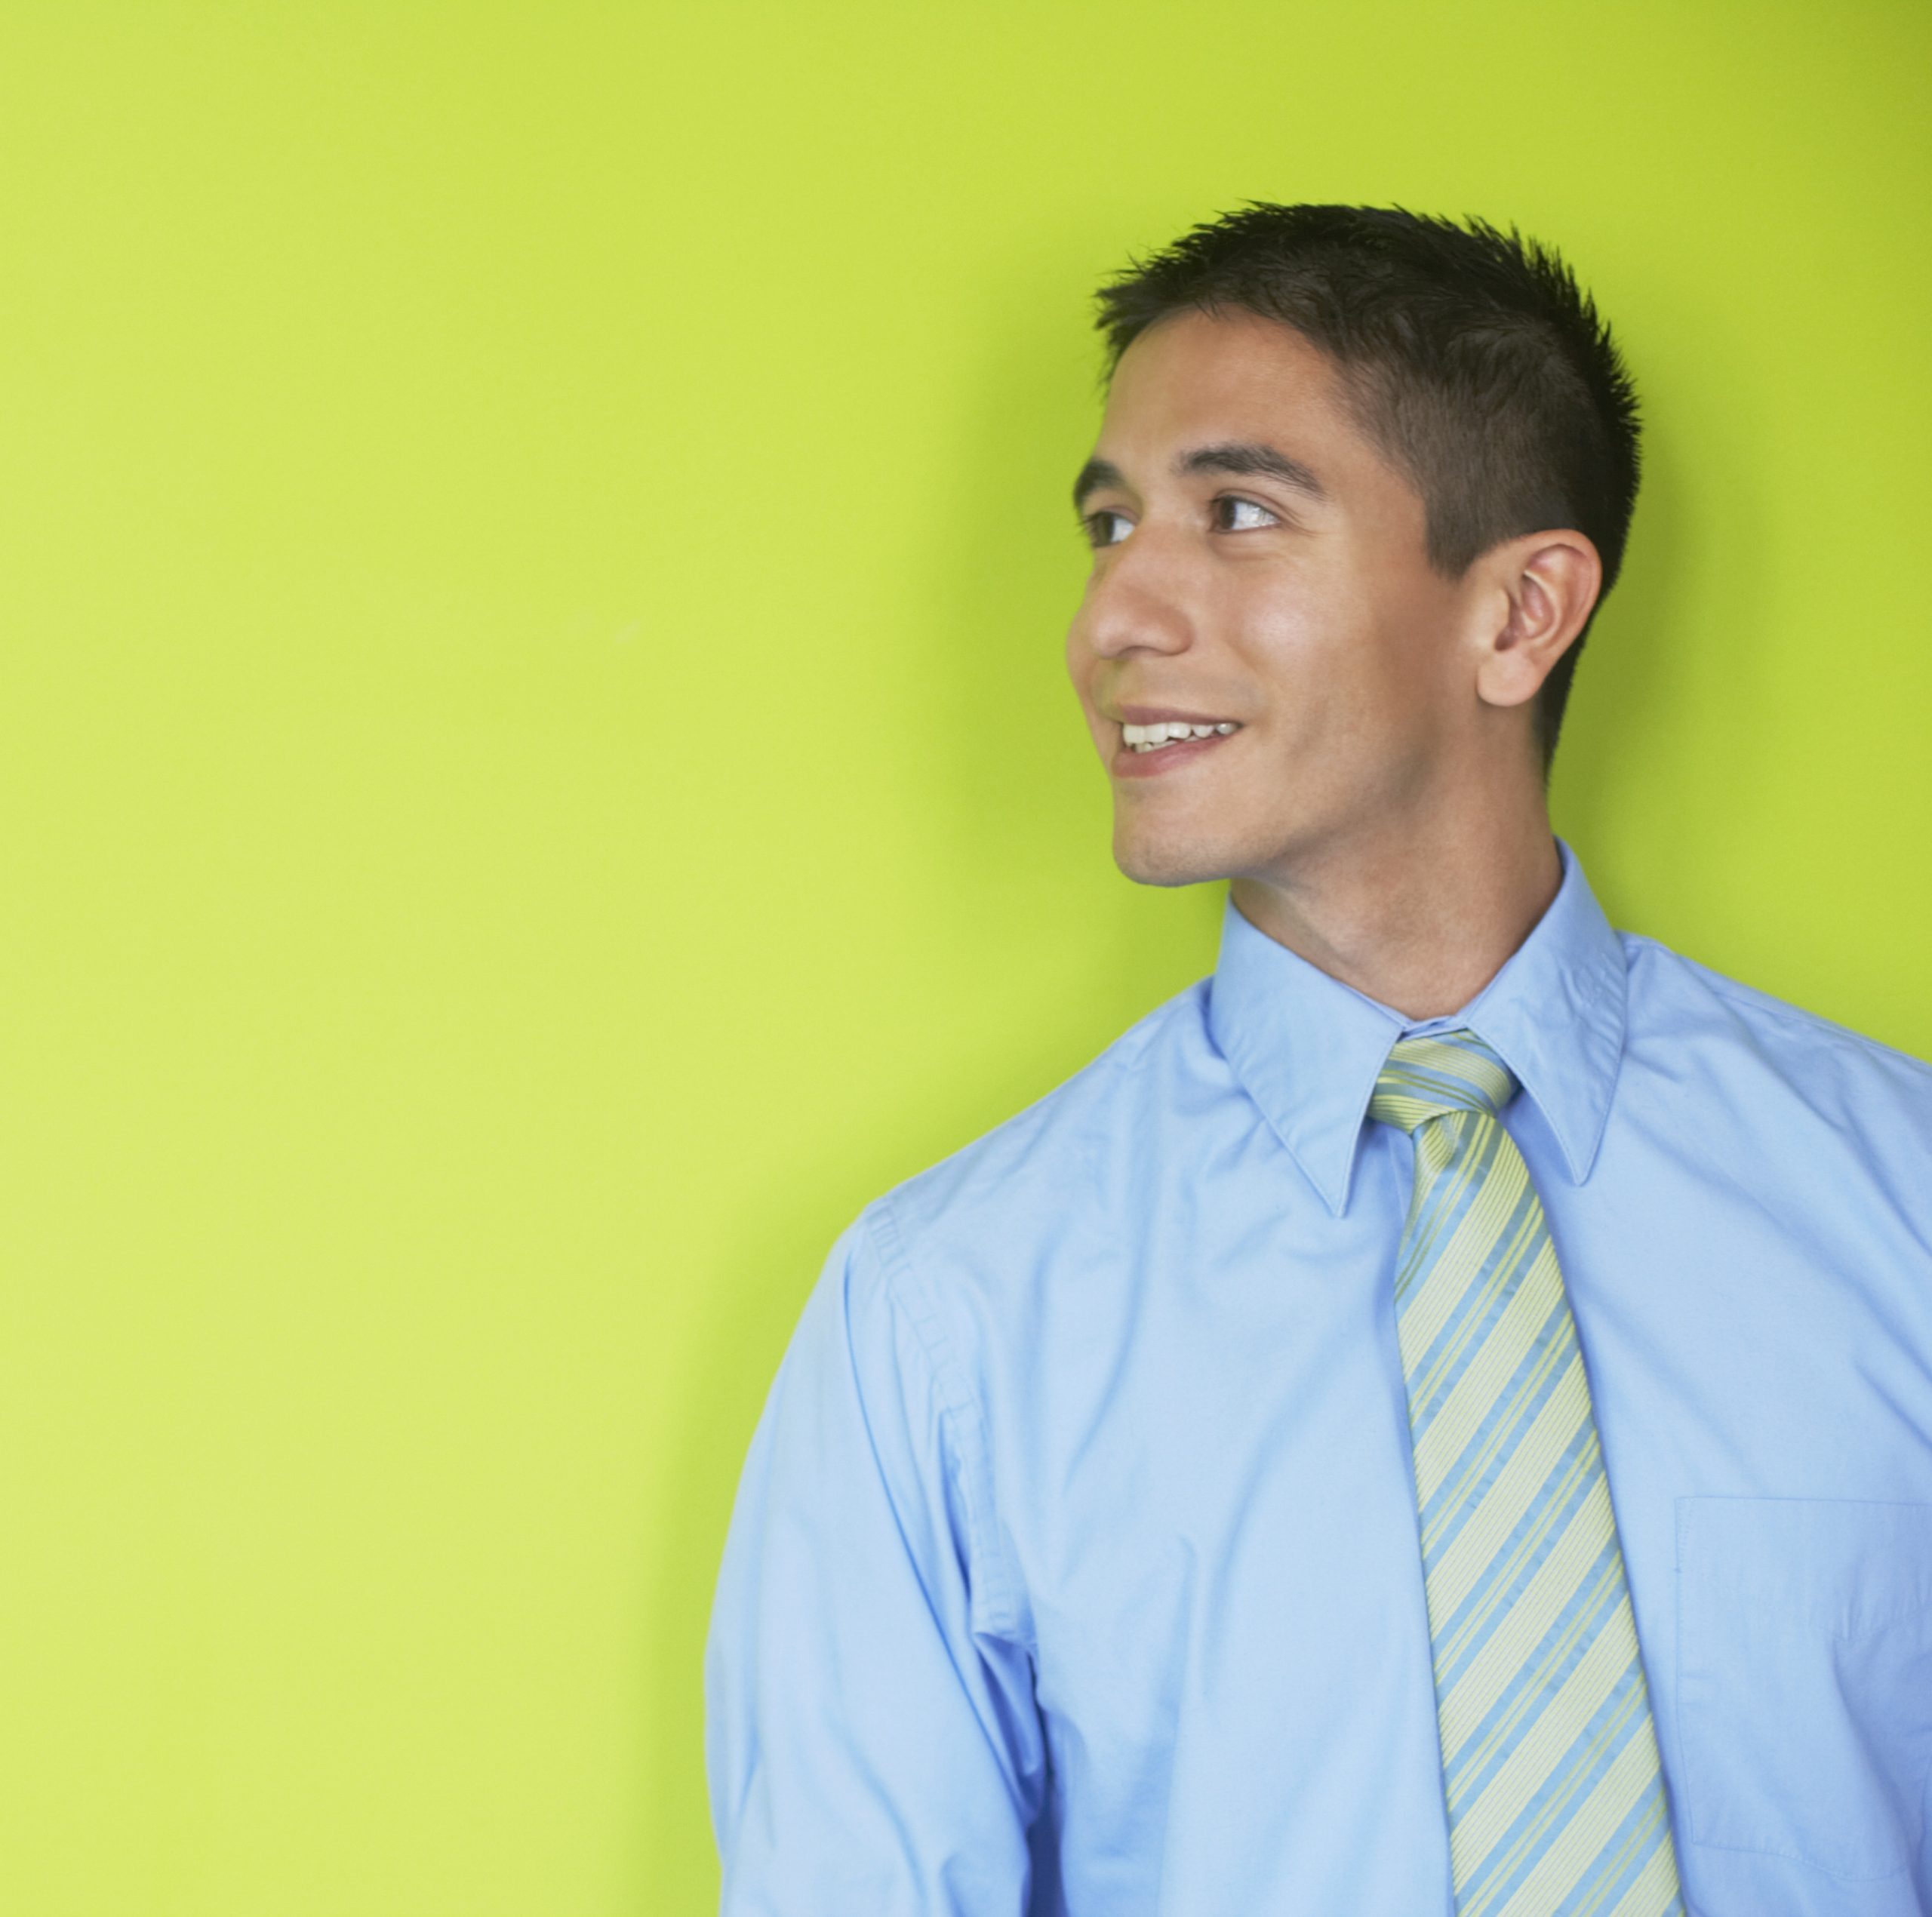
(1094, 475)
(1252, 457)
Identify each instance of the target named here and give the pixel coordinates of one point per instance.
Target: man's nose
(1135, 602)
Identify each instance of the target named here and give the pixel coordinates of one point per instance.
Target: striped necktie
(1550, 1759)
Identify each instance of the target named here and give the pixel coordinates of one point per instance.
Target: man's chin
(1150, 861)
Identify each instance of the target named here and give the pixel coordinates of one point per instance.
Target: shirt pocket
(1804, 1678)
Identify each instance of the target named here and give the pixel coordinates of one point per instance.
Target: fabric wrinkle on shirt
(1074, 1566)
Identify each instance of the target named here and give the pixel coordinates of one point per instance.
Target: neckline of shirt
(1307, 1048)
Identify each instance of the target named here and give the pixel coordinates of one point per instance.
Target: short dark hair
(1470, 356)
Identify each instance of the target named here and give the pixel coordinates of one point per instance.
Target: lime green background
(535, 779)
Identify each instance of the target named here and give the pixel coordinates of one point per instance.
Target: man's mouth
(1171, 732)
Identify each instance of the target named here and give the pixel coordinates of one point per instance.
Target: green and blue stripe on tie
(1550, 1770)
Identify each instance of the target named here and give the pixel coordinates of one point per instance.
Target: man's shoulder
(1060, 1164)
(1687, 1003)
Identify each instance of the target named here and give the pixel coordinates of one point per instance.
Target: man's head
(1362, 480)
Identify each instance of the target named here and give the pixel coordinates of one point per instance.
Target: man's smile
(1168, 732)
(1151, 742)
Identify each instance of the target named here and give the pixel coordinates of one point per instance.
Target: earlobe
(1548, 583)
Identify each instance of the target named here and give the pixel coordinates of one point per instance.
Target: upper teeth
(1163, 732)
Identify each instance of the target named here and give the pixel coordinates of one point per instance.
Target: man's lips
(1128, 764)
(1138, 756)
(1160, 715)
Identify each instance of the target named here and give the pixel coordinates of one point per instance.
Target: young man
(1437, 1418)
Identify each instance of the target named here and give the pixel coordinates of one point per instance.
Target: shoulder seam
(1751, 997)
(1125, 1055)
(1002, 1615)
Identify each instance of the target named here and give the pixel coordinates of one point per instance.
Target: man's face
(1259, 565)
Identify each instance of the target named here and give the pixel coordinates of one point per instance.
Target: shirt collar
(1307, 1048)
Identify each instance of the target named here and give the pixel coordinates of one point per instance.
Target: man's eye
(1107, 528)
(1232, 515)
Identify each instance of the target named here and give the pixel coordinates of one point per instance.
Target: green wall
(535, 779)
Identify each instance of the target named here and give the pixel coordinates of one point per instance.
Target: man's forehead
(1231, 348)
(1228, 377)
(1225, 393)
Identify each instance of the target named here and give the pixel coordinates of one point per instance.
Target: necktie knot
(1430, 1076)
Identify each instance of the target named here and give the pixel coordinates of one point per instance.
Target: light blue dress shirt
(1074, 1566)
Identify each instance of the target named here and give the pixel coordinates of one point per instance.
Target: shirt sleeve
(872, 1741)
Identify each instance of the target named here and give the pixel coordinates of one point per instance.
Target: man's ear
(1542, 588)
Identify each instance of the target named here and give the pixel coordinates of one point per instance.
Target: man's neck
(1420, 920)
